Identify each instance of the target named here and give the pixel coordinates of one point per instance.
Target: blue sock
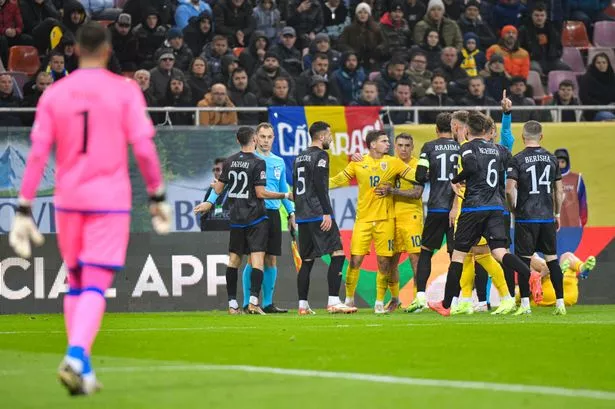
(489, 290)
(79, 353)
(246, 284)
(269, 277)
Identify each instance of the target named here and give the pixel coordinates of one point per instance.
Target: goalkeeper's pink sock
(90, 307)
(71, 298)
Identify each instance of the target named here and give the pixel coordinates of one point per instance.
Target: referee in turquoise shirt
(276, 182)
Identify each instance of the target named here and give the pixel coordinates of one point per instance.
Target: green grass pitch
(212, 360)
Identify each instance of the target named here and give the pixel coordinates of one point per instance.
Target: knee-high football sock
(423, 270)
(231, 283)
(256, 282)
(269, 276)
(557, 278)
(480, 281)
(509, 276)
(334, 275)
(522, 266)
(495, 271)
(452, 287)
(71, 298)
(382, 283)
(467, 277)
(303, 279)
(352, 279)
(90, 307)
(245, 284)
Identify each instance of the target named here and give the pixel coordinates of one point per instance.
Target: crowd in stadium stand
(235, 53)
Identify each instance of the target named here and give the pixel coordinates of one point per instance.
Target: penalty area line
(384, 379)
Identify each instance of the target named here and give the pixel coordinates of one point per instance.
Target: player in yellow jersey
(573, 268)
(408, 217)
(375, 219)
(480, 253)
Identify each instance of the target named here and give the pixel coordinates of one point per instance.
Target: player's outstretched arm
(262, 193)
(342, 178)
(507, 138)
(204, 207)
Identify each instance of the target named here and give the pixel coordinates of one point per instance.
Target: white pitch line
(521, 321)
(398, 380)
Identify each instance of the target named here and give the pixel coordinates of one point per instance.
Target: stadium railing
(556, 110)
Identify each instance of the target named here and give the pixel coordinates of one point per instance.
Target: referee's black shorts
(274, 239)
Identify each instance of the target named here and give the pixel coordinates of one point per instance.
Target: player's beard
(325, 145)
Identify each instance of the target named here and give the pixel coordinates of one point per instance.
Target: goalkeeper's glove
(24, 231)
(160, 211)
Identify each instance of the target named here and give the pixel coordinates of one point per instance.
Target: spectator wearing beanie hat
(472, 58)
(496, 77)
(471, 22)
(395, 30)
(322, 44)
(175, 42)
(364, 37)
(124, 42)
(516, 59)
(450, 35)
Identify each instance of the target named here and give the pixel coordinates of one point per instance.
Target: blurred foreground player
(91, 117)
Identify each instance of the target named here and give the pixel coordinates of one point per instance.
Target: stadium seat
(533, 80)
(373, 76)
(604, 34)
(2, 69)
(572, 56)
(555, 77)
(597, 50)
(610, 10)
(24, 58)
(237, 51)
(105, 23)
(574, 34)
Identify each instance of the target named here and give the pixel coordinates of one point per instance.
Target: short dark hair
(219, 160)
(281, 79)
(245, 135)
(539, 7)
(373, 135)
(219, 37)
(396, 60)
(92, 35)
(401, 84)
(317, 127)
(566, 83)
(56, 54)
(418, 53)
(436, 75)
(321, 56)
(517, 79)
(477, 123)
(443, 122)
(239, 70)
(404, 135)
(477, 78)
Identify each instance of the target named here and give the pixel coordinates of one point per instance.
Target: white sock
(420, 296)
(455, 302)
(525, 302)
(233, 304)
(333, 300)
(560, 302)
(253, 300)
(483, 303)
(466, 300)
(379, 303)
(349, 300)
(303, 304)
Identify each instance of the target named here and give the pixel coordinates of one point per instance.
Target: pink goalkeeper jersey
(91, 116)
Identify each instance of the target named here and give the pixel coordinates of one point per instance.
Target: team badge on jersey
(384, 165)
(277, 172)
(263, 175)
(322, 163)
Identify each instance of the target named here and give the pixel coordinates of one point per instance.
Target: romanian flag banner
(349, 126)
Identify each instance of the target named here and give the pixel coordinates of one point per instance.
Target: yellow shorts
(381, 232)
(408, 231)
(571, 290)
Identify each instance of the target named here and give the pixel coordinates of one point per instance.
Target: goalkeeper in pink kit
(91, 117)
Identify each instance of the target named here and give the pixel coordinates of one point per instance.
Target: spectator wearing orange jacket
(516, 59)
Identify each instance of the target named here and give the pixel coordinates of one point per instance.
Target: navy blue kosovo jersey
(483, 186)
(442, 155)
(536, 170)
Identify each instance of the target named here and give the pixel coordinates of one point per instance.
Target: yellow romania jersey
(406, 207)
(371, 173)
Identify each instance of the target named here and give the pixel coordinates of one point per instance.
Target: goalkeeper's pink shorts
(94, 239)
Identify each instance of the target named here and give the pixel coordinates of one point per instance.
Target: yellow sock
(576, 267)
(352, 279)
(467, 277)
(494, 269)
(394, 289)
(382, 282)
